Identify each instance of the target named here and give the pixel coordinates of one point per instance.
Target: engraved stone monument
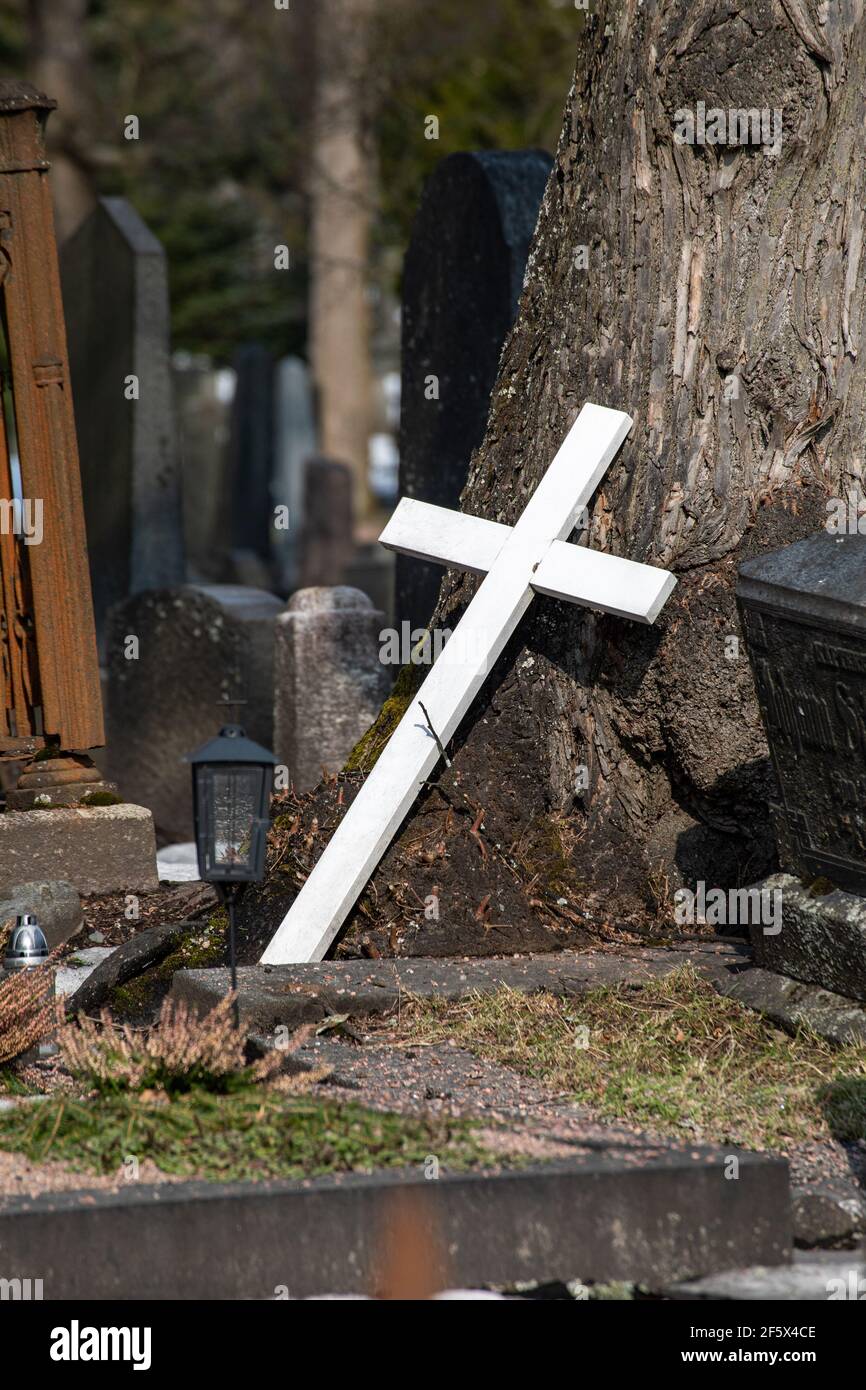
(804, 616)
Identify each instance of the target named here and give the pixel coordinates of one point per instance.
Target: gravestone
(517, 563)
(803, 610)
(329, 683)
(295, 441)
(115, 290)
(173, 656)
(203, 394)
(804, 616)
(327, 543)
(462, 279)
(251, 451)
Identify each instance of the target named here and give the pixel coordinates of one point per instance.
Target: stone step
(289, 995)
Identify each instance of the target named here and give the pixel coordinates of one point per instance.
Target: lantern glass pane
(230, 795)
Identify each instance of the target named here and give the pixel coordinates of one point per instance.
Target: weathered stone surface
(827, 1214)
(55, 903)
(115, 291)
(822, 941)
(146, 948)
(98, 849)
(462, 279)
(804, 615)
(294, 994)
(197, 646)
(70, 794)
(329, 683)
(653, 1215)
(792, 1004)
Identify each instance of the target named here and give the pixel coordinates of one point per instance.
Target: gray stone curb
(650, 1216)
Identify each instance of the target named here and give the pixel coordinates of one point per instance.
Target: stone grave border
(654, 1216)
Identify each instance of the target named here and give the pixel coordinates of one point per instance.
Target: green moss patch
(364, 755)
(252, 1133)
(197, 950)
(673, 1055)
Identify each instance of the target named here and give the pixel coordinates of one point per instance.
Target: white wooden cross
(531, 557)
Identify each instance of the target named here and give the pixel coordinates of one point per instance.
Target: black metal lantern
(232, 780)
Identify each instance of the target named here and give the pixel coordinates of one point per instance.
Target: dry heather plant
(28, 1008)
(181, 1051)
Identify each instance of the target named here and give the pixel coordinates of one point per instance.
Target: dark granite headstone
(462, 280)
(804, 616)
(251, 450)
(115, 295)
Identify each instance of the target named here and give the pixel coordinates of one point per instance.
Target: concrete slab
(289, 995)
(812, 1277)
(653, 1215)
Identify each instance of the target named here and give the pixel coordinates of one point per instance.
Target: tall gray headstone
(462, 279)
(327, 545)
(115, 295)
(295, 441)
(203, 395)
(329, 683)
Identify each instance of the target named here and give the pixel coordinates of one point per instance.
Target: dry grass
(672, 1054)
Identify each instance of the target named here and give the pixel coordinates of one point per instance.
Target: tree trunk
(60, 65)
(719, 302)
(341, 198)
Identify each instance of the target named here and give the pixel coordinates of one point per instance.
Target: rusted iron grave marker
(517, 562)
(49, 673)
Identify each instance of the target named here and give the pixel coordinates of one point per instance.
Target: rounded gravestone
(329, 683)
(462, 279)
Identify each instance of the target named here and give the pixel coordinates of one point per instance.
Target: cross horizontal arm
(605, 582)
(455, 539)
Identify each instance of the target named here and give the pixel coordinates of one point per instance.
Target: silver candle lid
(27, 945)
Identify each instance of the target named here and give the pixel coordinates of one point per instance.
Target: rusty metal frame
(51, 579)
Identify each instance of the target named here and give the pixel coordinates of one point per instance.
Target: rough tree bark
(720, 303)
(59, 62)
(341, 186)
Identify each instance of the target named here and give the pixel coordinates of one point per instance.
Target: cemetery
(433, 673)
